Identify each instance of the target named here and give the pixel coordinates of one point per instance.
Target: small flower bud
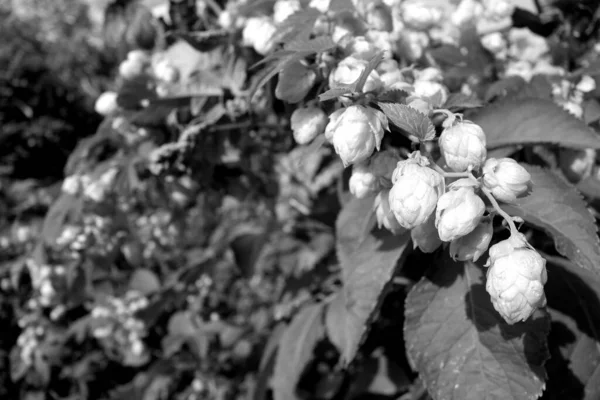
(474, 244)
(349, 70)
(466, 11)
(425, 236)
(373, 175)
(495, 43)
(138, 56)
(498, 9)
(282, 9)
(321, 5)
(432, 92)
(165, 71)
(362, 182)
(361, 48)
(505, 178)
(384, 214)
(413, 44)
(586, 84)
(357, 134)
(379, 17)
(526, 45)
(130, 69)
(515, 279)
(519, 68)
(258, 33)
(106, 103)
(307, 124)
(420, 16)
(458, 213)
(463, 146)
(331, 125)
(429, 74)
(415, 192)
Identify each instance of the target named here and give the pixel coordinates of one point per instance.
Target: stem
(509, 220)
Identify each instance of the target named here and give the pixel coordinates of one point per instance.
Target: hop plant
(383, 213)
(505, 179)
(374, 174)
(463, 146)
(515, 279)
(307, 124)
(458, 213)
(415, 192)
(356, 134)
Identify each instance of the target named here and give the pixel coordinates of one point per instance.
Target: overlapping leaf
(296, 349)
(417, 125)
(533, 120)
(295, 81)
(462, 347)
(368, 260)
(555, 206)
(574, 301)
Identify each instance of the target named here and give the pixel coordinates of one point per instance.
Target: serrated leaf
(462, 348)
(334, 93)
(573, 298)
(555, 206)
(295, 81)
(296, 349)
(416, 124)
(368, 260)
(460, 101)
(316, 45)
(299, 25)
(525, 121)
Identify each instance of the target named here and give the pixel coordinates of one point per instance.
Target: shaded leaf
(295, 81)
(393, 96)
(296, 349)
(144, 281)
(417, 125)
(521, 121)
(462, 348)
(503, 87)
(316, 45)
(297, 26)
(555, 206)
(591, 111)
(205, 40)
(460, 101)
(574, 301)
(67, 208)
(368, 261)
